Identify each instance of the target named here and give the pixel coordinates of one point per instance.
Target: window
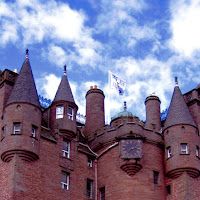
(169, 152)
(89, 188)
(184, 148)
(66, 149)
(3, 131)
(59, 111)
(102, 193)
(65, 180)
(197, 151)
(89, 162)
(33, 131)
(155, 176)
(16, 129)
(168, 188)
(70, 112)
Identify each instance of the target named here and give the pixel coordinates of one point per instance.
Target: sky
(146, 43)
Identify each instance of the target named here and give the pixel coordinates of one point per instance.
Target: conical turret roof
(178, 112)
(64, 92)
(24, 89)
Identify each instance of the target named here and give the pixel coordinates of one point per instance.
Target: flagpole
(108, 96)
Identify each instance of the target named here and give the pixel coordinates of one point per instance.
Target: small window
(89, 162)
(184, 148)
(65, 180)
(182, 128)
(102, 193)
(16, 129)
(155, 176)
(89, 188)
(59, 111)
(197, 151)
(66, 149)
(70, 112)
(3, 131)
(168, 188)
(169, 152)
(33, 131)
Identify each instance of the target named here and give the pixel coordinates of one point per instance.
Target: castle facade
(47, 155)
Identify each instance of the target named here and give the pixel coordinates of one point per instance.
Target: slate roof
(24, 89)
(178, 112)
(64, 92)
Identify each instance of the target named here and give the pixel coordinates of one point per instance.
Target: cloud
(185, 27)
(56, 55)
(61, 28)
(48, 85)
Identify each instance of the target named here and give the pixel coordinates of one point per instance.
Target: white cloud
(185, 26)
(56, 55)
(48, 85)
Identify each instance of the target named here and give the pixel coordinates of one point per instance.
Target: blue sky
(146, 43)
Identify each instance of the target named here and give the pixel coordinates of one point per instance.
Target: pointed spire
(178, 112)
(64, 92)
(24, 89)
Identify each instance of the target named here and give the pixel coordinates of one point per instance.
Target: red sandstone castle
(47, 155)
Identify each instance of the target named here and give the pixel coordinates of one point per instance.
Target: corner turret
(63, 108)
(181, 139)
(22, 118)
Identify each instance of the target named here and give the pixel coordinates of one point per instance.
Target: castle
(47, 155)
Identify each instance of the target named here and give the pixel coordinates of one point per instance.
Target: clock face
(131, 148)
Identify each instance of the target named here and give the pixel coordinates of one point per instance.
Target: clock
(131, 148)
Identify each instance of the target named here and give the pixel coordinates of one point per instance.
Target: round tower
(153, 120)
(63, 109)
(22, 119)
(95, 118)
(181, 139)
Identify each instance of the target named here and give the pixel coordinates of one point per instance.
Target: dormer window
(59, 111)
(70, 112)
(16, 128)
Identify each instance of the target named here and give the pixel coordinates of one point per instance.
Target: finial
(176, 81)
(65, 69)
(124, 105)
(26, 53)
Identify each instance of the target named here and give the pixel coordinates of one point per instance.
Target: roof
(64, 92)
(124, 113)
(24, 89)
(178, 112)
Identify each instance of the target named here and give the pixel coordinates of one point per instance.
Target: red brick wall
(119, 185)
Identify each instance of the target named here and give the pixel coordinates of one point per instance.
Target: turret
(153, 120)
(181, 139)
(21, 119)
(63, 109)
(95, 118)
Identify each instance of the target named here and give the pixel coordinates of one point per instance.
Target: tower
(181, 146)
(153, 120)
(95, 118)
(22, 119)
(63, 109)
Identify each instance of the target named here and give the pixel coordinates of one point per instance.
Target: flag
(117, 83)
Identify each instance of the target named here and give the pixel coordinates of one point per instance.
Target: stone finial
(27, 53)
(124, 105)
(176, 81)
(65, 69)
